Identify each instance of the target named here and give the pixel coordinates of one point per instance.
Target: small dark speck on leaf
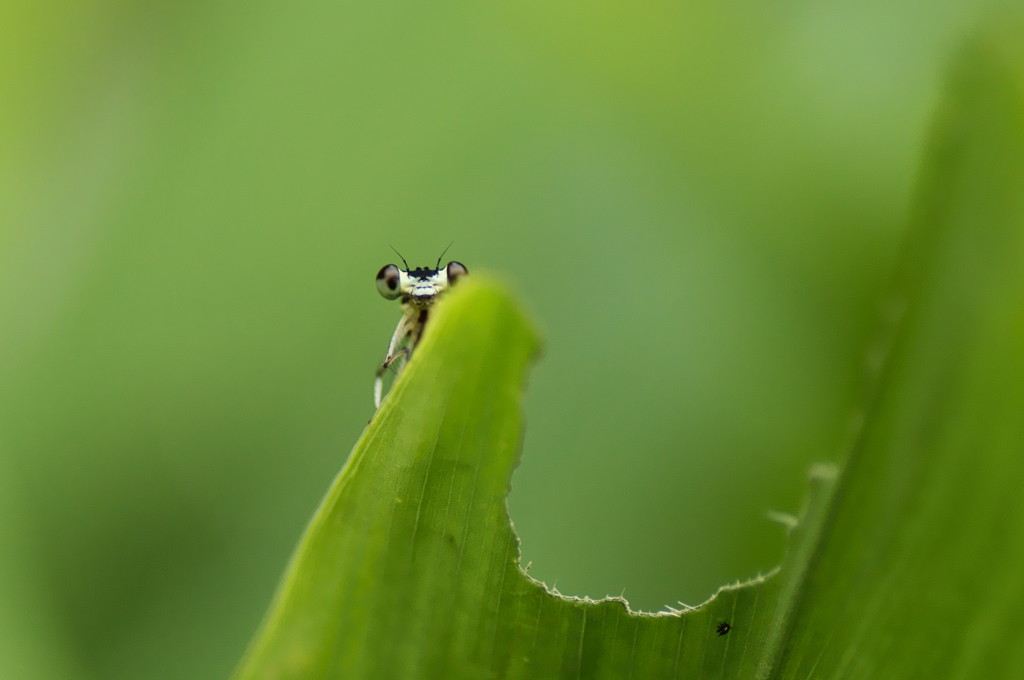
(723, 628)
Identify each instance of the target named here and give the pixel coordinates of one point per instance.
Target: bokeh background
(700, 203)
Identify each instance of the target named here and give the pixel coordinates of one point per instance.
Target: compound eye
(388, 280)
(455, 271)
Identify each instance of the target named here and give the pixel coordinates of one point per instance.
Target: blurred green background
(700, 203)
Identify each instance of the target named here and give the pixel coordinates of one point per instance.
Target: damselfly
(418, 289)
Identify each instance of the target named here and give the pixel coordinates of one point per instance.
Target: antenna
(400, 255)
(438, 265)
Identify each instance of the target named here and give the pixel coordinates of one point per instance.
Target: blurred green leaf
(409, 568)
(919, 571)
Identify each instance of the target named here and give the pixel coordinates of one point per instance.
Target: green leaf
(409, 568)
(906, 565)
(919, 572)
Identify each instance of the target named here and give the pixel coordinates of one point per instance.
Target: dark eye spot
(456, 270)
(723, 628)
(389, 280)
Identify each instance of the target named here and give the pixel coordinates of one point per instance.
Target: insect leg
(393, 353)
